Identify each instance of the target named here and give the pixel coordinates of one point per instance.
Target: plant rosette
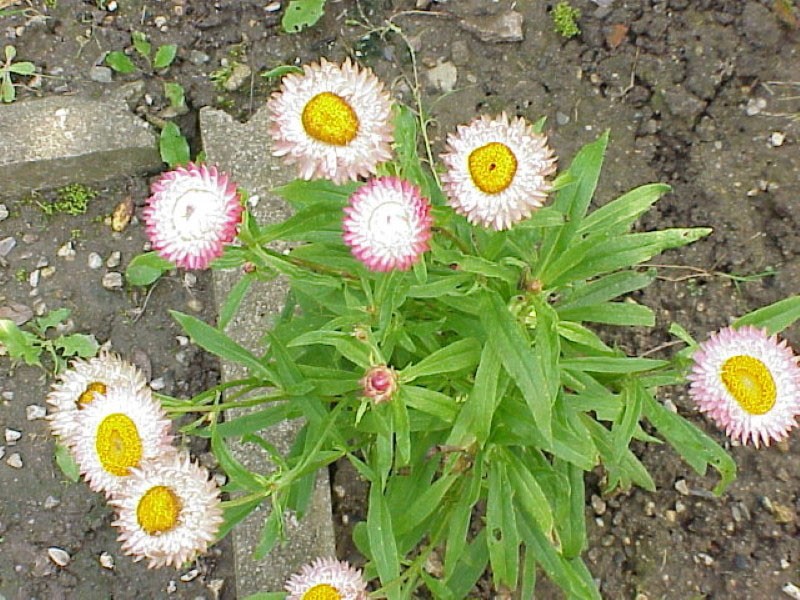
(464, 370)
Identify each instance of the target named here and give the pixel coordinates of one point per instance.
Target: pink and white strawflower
(327, 579)
(748, 382)
(387, 224)
(379, 383)
(192, 213)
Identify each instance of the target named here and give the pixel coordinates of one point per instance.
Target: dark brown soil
(702, 95)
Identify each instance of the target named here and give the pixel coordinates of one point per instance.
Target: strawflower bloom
(748, 383)
(192, 213)
(497, 171)
(168, 511)
(379, 383)
(332, 121)
(116, 432)
(78, 386)
(387, 224)
(327, 579)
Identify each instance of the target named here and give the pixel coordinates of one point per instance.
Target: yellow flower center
(322, 591)
(330, 119)
(89, 393)
(492, 167)
(750, 382)
(158, 510)
(118, 444)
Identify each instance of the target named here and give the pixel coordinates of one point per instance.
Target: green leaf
(627, 314)
(501, 525)
(10, 52)
(20, 344)
(622, 431)
(52, 319)
(617, 216)
(77, 344)
(7, 91)
(120, 62)
(233, 301)
(164, 56)
(145, 268)
(270, 534)
(23, 68)
(475, 420)
(239, 475)
(531, 499)
(67, 464)
(603, 289)
(698, 449)
(523, 365)
(266, 596)
(775, 317)
(173, 146)
(141, 45)
(300, 193)
(302, 13)
(608, 364)
(309, 223)
(235, 511)
(175, 94)
(280, 71)
(353, 350)
(471, 566)
(381, 536)
(430, 402)
(458, 356)
(214, 341)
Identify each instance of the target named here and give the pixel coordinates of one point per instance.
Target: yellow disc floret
(322, 591)
(158, 510)
(118, 444)
(94, 388)
(750, 382)
(492, 167)
(330, 119)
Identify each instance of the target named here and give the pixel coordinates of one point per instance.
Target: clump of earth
(700, 95)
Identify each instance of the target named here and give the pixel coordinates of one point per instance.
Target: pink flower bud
(379, 383)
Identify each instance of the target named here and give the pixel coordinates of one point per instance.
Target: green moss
(565, 19)
(72, 199)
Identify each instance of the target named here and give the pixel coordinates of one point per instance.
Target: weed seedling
(565, 20)
(72, 199)
(163, 57)
(7, 87)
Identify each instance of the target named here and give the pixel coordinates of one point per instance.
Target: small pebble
(112, 6)
(273, 7)
(776, 139)
(704, 558)
(190, 280)
(51, 502)
(34, 412)
(58, 555)
(194, 305)
(14, 460)
(172, 587)
(681, 487)
(114, 259)
(67, 251)
(755, 106)
(106, 560)
(599, 505)
(190, 575)
(680, 507)
(33, 278)
(785, 564)
(95, 261)
(157, 384)
(2, 452)
(100, 74)
(3, 212)
(6, 246)
(48, 272)
(112, 280)
(160, 21)
(12, 436)
(791, 590)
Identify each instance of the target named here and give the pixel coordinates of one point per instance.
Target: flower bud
(379, 383)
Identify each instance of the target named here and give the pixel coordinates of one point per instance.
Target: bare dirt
(702, 95)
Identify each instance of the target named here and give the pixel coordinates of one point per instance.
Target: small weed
(72, 199)
(220, 77)
(52, 4)
(163, 57)
(30, 343)
(21, 275)
(7, 87)
(565, 20)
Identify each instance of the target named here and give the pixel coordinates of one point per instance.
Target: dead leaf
(616, 35)
(785, 12)
(7, 3)
(18, 313)
(122, 214)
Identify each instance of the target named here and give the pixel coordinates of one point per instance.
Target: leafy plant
(565, 20)
(71, 199)
(7, 86)
(29, 344)
(505, 395)
(163, 58)
(173, 146)
(301, 14)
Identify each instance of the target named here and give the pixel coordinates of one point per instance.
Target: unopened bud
(379, 383)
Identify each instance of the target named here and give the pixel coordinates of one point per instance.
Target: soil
(702, 95)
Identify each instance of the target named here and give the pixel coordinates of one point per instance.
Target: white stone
(14, 460)
(12, 436)
(35, 411)
(58, 555)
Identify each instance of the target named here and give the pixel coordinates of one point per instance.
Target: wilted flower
(749, 383)
(332, 121)
(168, 511)
(387, 224)
(192, 213)
(327, 579)
(379, 383)
(497, 171)
(119, 430)
(77, 386)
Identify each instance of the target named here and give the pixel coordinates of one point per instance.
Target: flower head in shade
(168, 511)
(748, 383)
(497, 171)
(119, 430)
(327, 579)
(379, 383)
(332, 121)
(387, 224)
(192, 213)
(78, 386)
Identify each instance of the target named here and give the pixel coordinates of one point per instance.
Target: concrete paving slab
(59, 140)
(243, 150)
